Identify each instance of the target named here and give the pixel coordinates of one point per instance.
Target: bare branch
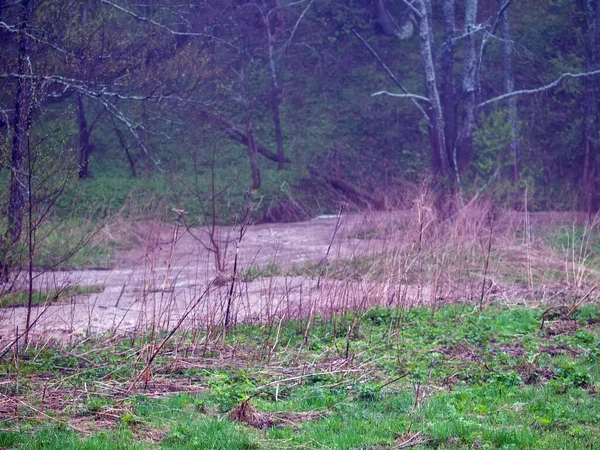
(541, 88)
(164, 27)
(392, 94)
(488, 35)
(499, 15)
(412, 7)
(13, 29)
(99, 96)
(476, 29)
(289, 41)
(391, 74)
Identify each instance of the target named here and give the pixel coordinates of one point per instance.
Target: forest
(299, 224)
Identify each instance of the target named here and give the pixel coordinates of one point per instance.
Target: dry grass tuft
(246, 412)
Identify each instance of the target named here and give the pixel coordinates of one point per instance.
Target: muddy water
(172, 276)
(165, 279)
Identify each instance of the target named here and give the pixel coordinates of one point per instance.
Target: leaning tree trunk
(125, 147)
(591, 110)
(20, 145)
(509, 86)
(465, 146)
(439, 161)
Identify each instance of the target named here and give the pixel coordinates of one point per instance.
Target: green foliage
(355, 268)
(571, 375)
(229, 389)
(21, 298)
(270, 269)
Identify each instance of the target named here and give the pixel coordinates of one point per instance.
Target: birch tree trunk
(439, 161)
(591, 110)
(469, 87)
(509, 86)
(447, 67)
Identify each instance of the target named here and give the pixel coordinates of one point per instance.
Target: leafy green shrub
(571, 375)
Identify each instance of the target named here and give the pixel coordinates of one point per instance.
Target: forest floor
(370, 330)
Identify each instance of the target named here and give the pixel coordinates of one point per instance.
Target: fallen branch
(350, 190)
(578, 304)
(27, 405)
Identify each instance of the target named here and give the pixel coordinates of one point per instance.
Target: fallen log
(353, 192)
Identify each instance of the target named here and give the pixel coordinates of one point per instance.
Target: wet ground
(172, 276)
(173, 273)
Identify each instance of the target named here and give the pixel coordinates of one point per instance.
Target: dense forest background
(113, 106)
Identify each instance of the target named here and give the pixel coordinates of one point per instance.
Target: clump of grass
(270, 269)
(357, 268)
(21, 298)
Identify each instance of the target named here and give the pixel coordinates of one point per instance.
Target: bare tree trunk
(125, 148)
(439, 160)
(465, 145)
(20, 145)
(447, 67)
(591, 110)
(509, 86)
(254, 165)
(85, 147)
(274, 94)
(277, 122)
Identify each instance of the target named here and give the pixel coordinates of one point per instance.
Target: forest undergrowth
(507, 376)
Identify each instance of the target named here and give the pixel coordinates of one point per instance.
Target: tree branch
(289, 41)
(541, 88)
(414, 10)
(499, 15)
(164, 27)
(485, 40)
(392, 76)
(411, 96)
(13, 29)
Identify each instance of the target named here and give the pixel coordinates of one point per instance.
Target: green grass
(493, 380)
(67, 244)
(21, 298)
(270, 269)
(356, 268)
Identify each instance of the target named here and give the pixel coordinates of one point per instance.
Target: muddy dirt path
(161, 280)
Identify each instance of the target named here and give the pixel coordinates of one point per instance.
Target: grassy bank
(454, 378)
